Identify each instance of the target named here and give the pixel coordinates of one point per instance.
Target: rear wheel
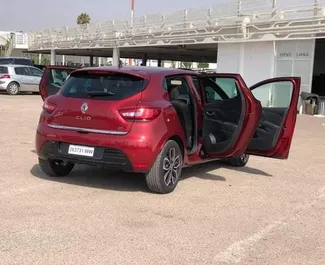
(166, 171)
(239, 161)
(13, 88)
(55, 168)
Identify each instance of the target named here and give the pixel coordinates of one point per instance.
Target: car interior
(273, 115)
(223, 114)
(54, 79)
(181, 99)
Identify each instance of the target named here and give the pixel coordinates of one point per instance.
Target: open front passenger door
(230, 115)
(279, 99)
(52, 79)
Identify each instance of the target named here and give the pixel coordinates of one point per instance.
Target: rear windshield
(3, 70)
(23, 61)
(6, 61)
(110, 86)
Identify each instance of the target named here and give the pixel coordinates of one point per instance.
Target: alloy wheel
(13, 89)
(171, 167)
(244, 158)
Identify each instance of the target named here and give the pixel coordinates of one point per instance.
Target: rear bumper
(109, 157)
(132, 152)
(3, 85)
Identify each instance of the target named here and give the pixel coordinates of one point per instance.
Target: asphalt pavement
(270, 212)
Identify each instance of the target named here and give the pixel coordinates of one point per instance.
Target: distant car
(16, 60)
(156, 120)
(16, 78)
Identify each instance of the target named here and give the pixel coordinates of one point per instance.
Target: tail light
(49, 107)
(140, 114)
(5, 77)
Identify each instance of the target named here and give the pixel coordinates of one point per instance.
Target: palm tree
(83, 19)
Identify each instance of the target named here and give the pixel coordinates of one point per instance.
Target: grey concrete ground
(271, 212)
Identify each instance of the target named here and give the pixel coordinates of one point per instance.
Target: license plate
(81, 150)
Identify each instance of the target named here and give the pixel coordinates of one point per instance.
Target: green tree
(173, 64)
(187, 65)
(83, 19)
(35, 60)
(203, 65)
(46, 60)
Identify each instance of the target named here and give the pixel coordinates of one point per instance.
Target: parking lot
(271, 212)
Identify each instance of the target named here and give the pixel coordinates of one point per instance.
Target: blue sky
(41, 14)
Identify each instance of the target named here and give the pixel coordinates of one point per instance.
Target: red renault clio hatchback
(158, 120)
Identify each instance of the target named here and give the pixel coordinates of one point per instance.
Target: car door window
(178, 88)
(219, 88)
(36, 72)
(58, 76)
(3, 70)
(274, 95)
(22, 71)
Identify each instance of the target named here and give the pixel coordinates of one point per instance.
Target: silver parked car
(16, 78)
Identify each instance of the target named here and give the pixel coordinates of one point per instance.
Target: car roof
(143, 71)
(17, 65)
(6, 57)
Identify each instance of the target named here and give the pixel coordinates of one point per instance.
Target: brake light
(5, 77)
(140, 114)
(49, 107)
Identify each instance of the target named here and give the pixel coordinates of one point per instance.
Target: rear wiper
(99, 94)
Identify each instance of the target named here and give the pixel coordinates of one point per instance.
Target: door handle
(209, 113)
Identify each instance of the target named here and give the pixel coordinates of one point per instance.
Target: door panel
(36, 75)
(230, 114)
(53, 78)
(279, 97)
(22, 74)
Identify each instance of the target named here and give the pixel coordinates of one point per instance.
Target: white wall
(253, 60)
(257, 61)
(296, 58)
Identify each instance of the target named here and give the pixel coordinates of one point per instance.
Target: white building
(13, 43)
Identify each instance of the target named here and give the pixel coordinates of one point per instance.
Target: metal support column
(116, 56)
(144, 60)
(53, 57)
(91, 60)
(159, 63)
(63, 59)
(40, 58)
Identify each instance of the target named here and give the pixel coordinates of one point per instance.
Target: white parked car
(16, 78)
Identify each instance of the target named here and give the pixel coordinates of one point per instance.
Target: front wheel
(166, 171)
(239, 161)
(55, 168)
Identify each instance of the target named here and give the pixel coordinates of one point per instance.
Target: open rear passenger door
(52, 79)
(279, 99)
(230, 114)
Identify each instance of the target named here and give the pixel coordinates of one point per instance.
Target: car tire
(166, 171)
(55, 168)
(239, 161)
(13, 88)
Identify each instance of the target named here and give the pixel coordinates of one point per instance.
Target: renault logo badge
(84, 107)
